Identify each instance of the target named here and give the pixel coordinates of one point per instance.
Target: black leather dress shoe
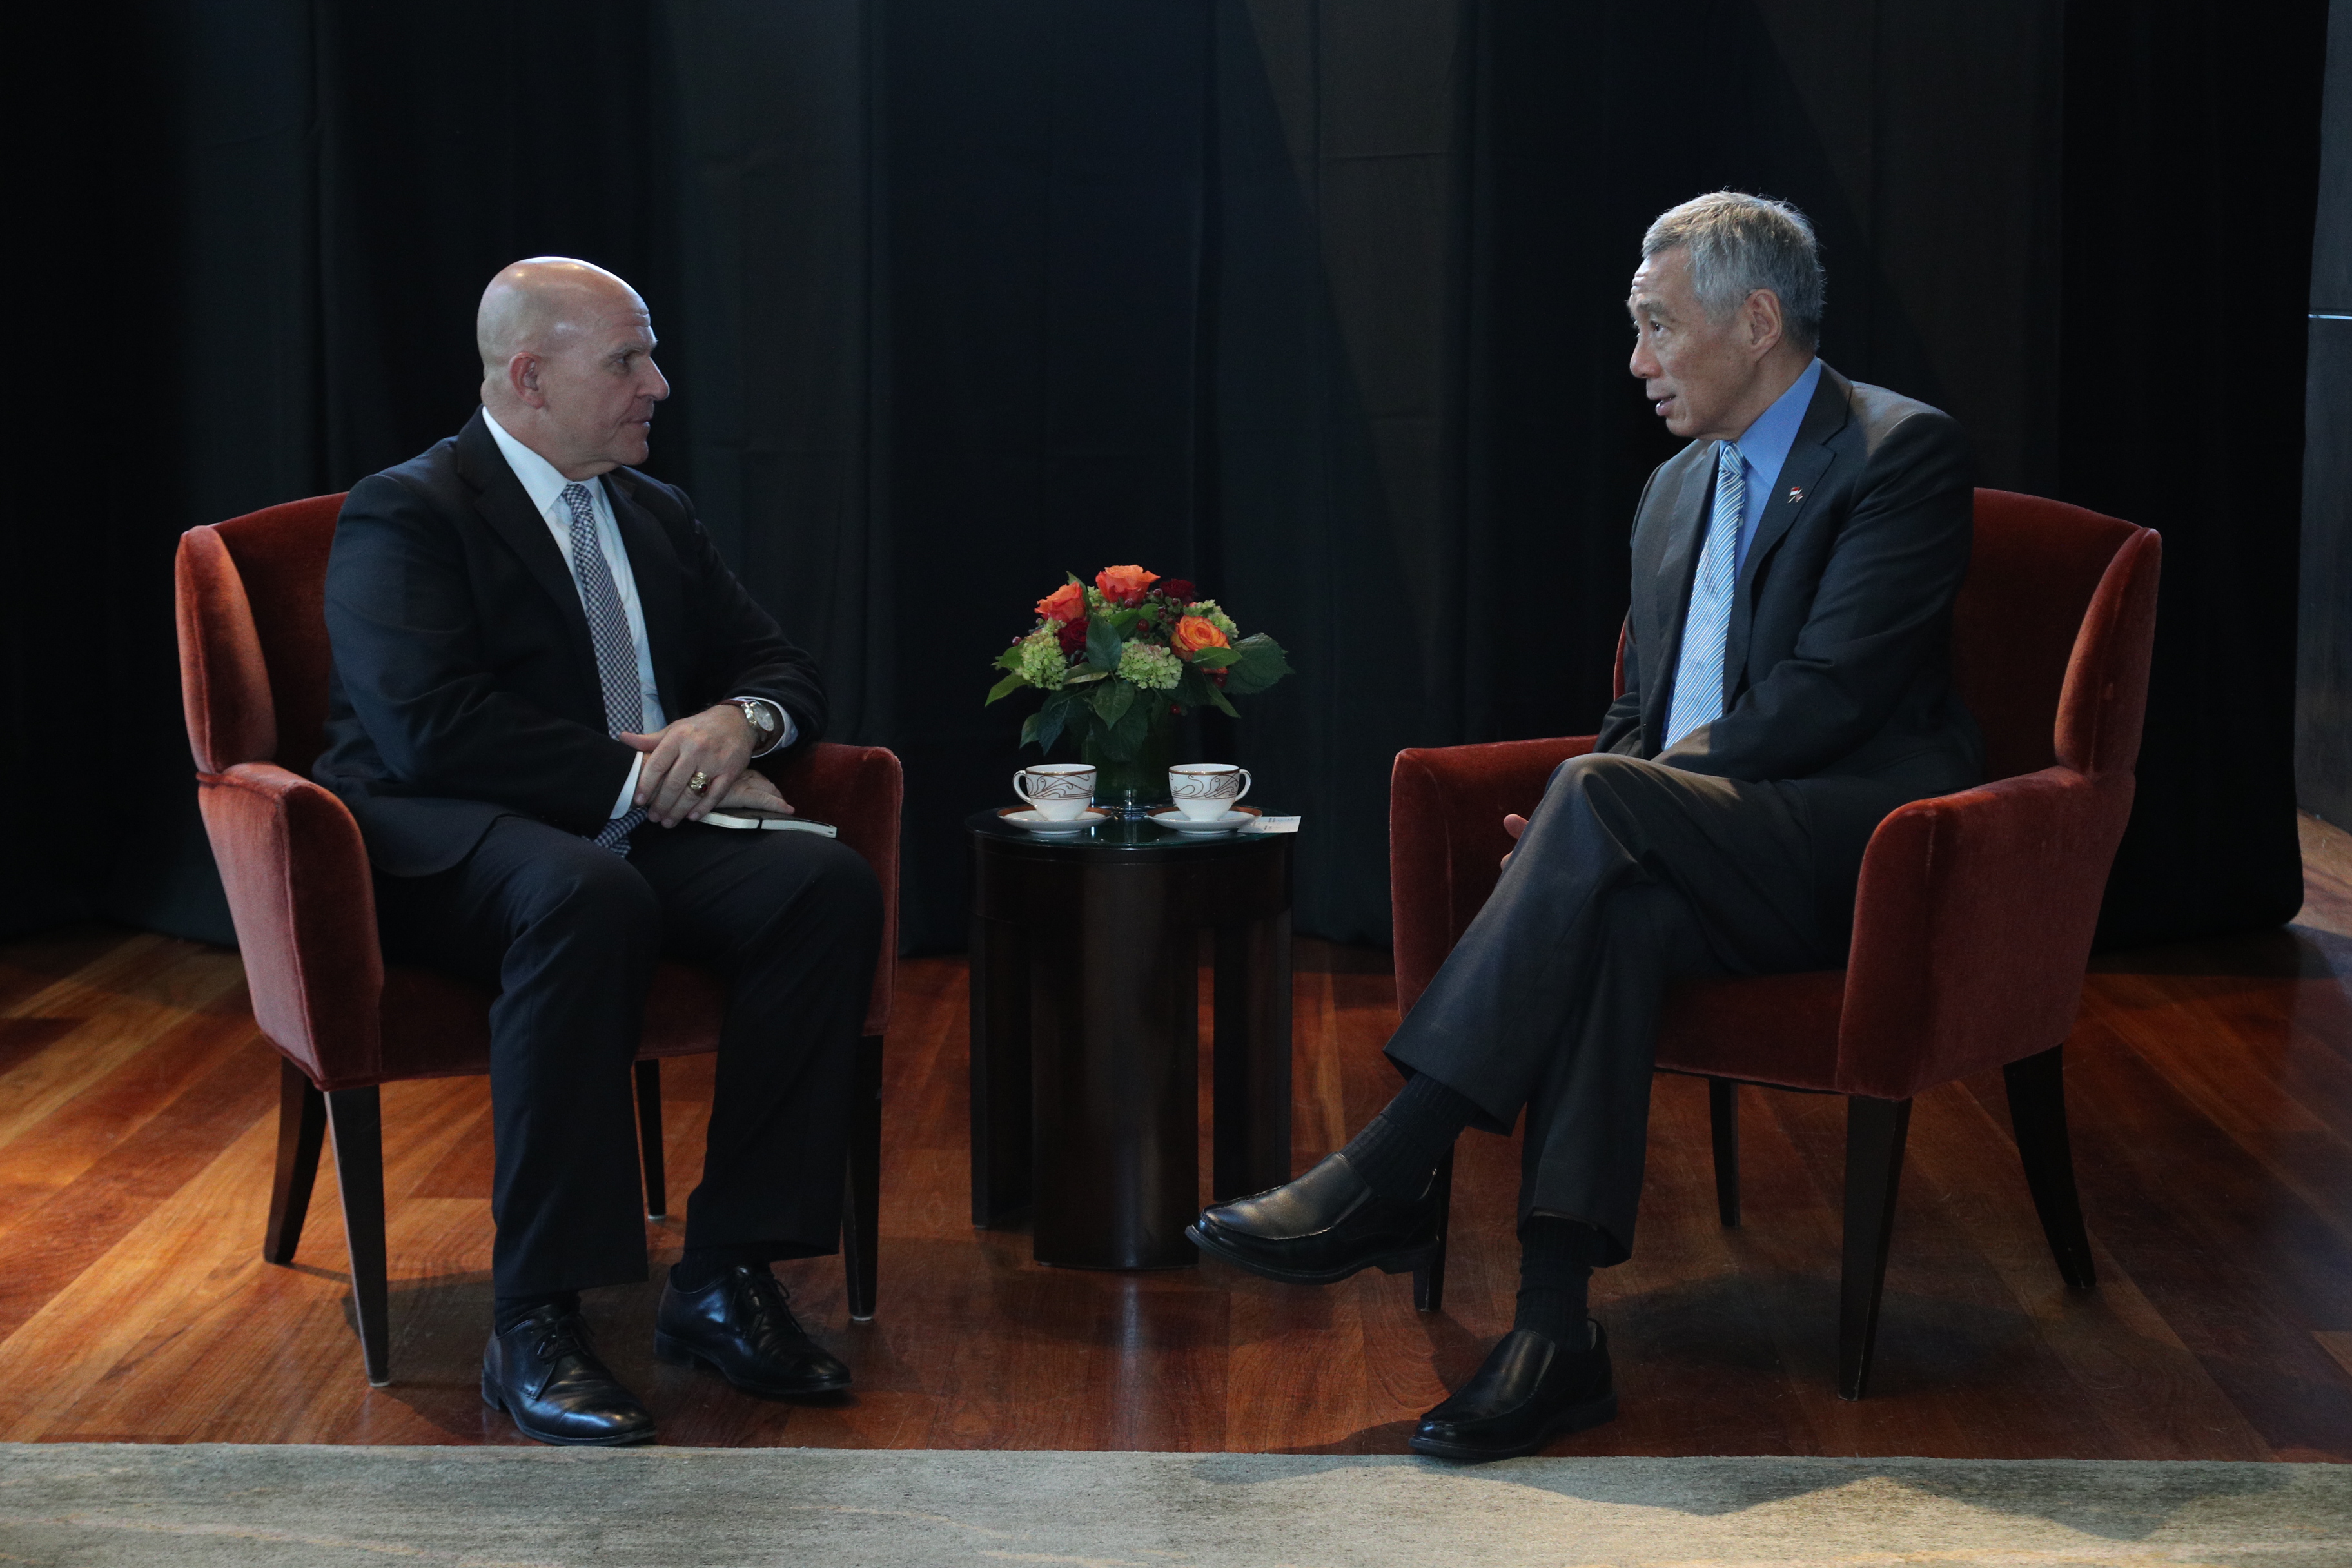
(542, 1372)
(1531, 1390)
(1321, 1228)
(742, 1328)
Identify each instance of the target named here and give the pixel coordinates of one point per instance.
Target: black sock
(1555, 1278)
(700, 1266)
(1398, 1150)
(506, 1311)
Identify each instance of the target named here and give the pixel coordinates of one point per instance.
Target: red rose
(1072, 635)
(1066, 603)
(1178, 589)
(1125, 585)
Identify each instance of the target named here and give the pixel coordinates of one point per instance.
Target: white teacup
(1206, 791)
(1059, 792)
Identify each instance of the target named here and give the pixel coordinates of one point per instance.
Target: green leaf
(1260, 663)
(1120, 741)
(1223, 707)
(1111, 701)
(1216, 657)
(1103, 645)
(1011, 657)
(1192, 689)
(1029, 729)
(1052, 720)
(1006, 687)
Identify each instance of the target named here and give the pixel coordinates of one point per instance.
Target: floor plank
(2210, 1088)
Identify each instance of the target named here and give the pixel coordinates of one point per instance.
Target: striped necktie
(616, 655)
(1698, 678)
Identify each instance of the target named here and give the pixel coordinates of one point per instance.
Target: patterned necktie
(616, 656)
(1698, 679)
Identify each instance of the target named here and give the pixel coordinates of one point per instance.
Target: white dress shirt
(544, 483)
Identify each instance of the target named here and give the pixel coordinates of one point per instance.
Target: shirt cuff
(785, 731)
(624, 804)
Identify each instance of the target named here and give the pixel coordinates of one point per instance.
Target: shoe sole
(1575, 1418)
(678, 1353)
(490, 1397)
(1387, 1263)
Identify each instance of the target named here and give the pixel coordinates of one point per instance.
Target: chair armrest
(1446, 842)
(859, 790)
(1972, 928)
(302, 893)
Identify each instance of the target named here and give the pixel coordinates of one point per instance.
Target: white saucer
(1231, 822)
(1043, 826)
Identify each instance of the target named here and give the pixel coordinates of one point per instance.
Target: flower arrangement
(1119, 660)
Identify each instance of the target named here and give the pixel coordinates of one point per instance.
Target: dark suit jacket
(1838, 660)
(465, 683)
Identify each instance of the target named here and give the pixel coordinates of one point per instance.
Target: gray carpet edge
(263, 1504)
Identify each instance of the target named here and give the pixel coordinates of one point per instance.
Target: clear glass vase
(1139, 785)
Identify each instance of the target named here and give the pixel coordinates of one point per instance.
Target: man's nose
(660, 390)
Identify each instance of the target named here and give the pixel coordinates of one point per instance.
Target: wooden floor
(2212, 1090)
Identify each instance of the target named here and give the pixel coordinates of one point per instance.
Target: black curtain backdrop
(1318, 302)
(2324, 671)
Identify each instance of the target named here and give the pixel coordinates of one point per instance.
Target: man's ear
(522, 380)
(1765, 325)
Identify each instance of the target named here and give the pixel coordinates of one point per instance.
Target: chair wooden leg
(1429, 1280)
(861, 1205)
(649, 1138)
(301, 1132)
(2037, 1114)
(357, 1117)
(1723, 1120)
(1874, 1134)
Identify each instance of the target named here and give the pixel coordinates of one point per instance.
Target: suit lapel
(654, 565)
(1797, 487)
(502, 503)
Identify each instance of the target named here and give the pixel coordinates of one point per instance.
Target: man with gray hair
(1786, 687)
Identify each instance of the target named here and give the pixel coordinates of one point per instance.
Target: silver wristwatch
(762, 720)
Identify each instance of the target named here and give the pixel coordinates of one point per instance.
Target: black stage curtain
(2323, 673)
(1318, 302)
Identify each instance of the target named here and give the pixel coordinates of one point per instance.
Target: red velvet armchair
(1973, 922)
(253, 673)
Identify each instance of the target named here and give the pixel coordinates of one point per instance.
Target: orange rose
(1125, 585)
(1194, 633)
(1066, 603)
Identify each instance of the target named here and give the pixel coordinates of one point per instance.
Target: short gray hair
(1739, 244)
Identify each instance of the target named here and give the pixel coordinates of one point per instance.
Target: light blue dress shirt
(1764, 449)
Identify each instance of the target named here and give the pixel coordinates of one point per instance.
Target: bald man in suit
(544, 678)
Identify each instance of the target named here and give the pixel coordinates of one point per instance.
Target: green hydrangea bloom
(1150, 666)
(1043, 663)
(1208, 611)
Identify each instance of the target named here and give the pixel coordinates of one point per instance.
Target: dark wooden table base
(1085, 1038)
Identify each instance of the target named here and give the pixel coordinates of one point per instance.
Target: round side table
(1085, 1026)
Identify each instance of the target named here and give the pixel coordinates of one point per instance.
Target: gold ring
(698, 783)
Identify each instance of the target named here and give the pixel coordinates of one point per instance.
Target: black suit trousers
(567, 934)
(1630, 874)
